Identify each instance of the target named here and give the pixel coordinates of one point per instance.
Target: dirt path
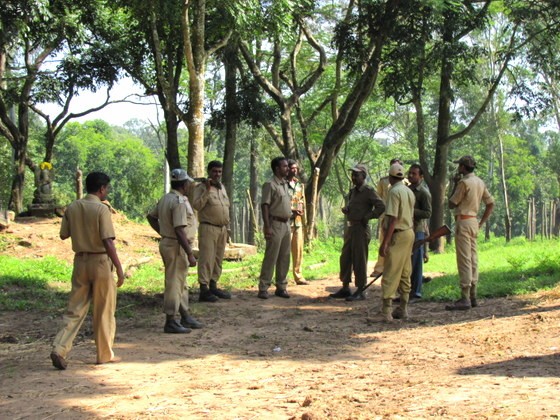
(305, 357)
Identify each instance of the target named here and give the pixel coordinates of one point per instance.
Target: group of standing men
(404, 210)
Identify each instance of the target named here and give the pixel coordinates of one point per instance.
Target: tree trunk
(172, 151)
(195, 125)
(232, 114)
(253, 190)
(18, 182)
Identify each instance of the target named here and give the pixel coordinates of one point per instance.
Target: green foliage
(136, 175)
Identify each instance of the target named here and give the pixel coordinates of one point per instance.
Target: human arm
(489, 208)
(185, 244)
(424, 208)
(391, 222)
(109, 246)
(267, 226)
(200, 195)
(154, 222)
(377, 207)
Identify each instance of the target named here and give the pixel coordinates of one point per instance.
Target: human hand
(192, 260)
(120, 277)
(344, 209)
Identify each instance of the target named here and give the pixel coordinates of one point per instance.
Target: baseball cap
(360, 167)
(466, 160)
(396, 170)
(179, 174)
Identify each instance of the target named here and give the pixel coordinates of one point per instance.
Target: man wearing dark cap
(173, 219)
(468, 192)
(396, 247)
(362, 204)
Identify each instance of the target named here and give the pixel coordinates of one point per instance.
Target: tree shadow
(519, 367)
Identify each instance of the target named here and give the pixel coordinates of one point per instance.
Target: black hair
(178, 184)
(275, 163)
(395, 160)
(469, 169)
(417, 166)
(214, 164)
(291, 162)
(96, 180)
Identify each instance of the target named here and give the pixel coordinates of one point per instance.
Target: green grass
(516, 268)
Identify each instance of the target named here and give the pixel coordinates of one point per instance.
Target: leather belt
(354, 223)
(84, 254)
(463, 217)
(280, 219)
(211, 224)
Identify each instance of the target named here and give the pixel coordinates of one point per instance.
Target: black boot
(172, 326)
(357, 295)
(188, 321)
(344, 292)
(222, 294)
(206, 294)
(463, 304)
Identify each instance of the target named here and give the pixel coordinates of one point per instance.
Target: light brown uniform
(174, 210)
(88, 221)
(277, 253)
(213, 214)
(296, 189)
(468, 195)
(382, 189)
(398, 265)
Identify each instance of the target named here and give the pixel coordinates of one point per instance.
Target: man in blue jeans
(422, 213)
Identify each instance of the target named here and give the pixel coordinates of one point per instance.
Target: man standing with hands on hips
(468, 192)
(276, 207)
(212, 203)
(173, 219)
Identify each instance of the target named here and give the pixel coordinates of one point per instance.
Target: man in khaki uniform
(172, 218)
(397, 246)
(468, 192)
(88, 222)
(296, 188)
(382, 188)
(363, 204)
(212, 203)
(276, 207)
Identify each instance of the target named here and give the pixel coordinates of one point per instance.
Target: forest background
(327, 83)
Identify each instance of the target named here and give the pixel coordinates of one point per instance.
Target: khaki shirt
(296, 189)
(363, 204)
(212, 205)
(275, 193)
(174, 210)
(469, 193)
(383, 187)
(87, 221)
(400, 204)
(422, 207)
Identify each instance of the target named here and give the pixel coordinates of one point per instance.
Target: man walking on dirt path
(363, 204)
(88, 223)
(396, 247)
(422, 213)
(212, 203)
(382, 188)
(173, 218)
(276, 207)
(296, 188)
(467, 194)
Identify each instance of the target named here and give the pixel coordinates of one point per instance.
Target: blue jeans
(417, 267)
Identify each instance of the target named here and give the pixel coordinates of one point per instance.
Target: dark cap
(360, 167)
(467, 161)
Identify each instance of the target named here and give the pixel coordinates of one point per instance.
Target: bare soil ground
(307, 357)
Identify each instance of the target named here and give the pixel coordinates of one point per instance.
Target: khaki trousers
(92, 280)
(466, 232)
(354, 254)
(176, 294)
(297, 252)
(379, 264)
(212, 242)
(398, 265)
(276, 257)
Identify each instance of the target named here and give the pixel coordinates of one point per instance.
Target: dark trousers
(417, 267)
(354, 255)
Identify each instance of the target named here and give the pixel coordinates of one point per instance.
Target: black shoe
(474, 303)
(58, 361)
(414, 298)
(426, 280)
(263, 294)
(342, 293)
(189, 322)
(207, 296)
(356, 296)
(172, 326)
(222, 294)
(459, 305)
(281, 293)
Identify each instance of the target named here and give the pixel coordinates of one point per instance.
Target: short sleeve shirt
(173, 210)
(296, 189)
(400, 204)
(212, 204)
(468, 195)
(275, 193)
(87, 221)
